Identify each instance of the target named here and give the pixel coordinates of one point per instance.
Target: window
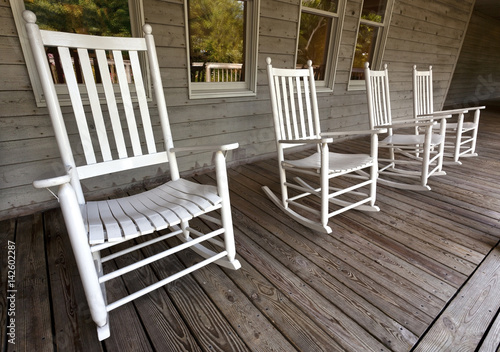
(97, 17)
(318, 38)
(372, 35)
(222, 46)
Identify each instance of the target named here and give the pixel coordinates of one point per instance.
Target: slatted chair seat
(113, 111)
(404, 139)
(461, 136)
(338, 162)
(312, 198)
(157, 209)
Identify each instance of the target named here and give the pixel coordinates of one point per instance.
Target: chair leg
(226, 217)
(84, 259)
(324, 184)
(474, 132)
(425, 165)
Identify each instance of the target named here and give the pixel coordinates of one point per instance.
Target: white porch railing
(216, 72)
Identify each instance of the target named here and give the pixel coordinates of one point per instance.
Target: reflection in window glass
(217, 40)
(105, 18)
(313, 42)
(373, 10)
(365, 47)
(325, 5)
(370, 28)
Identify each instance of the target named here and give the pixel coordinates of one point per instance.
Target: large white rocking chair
(97, 225)
(296, 124)
(412, 158)
(461, 136)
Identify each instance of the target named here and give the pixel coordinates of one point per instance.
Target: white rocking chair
(412, 158)
(461, 136)
(296, 123)
(97, 225)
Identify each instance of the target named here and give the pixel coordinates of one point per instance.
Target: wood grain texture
(31, 288)
(72, 325)
(465, 321)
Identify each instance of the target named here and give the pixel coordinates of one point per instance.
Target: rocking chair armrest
(306, 141)
(202, 148)
(434, 116)
(348, 133)
(455, 111)
(445, 112)
(52, 182)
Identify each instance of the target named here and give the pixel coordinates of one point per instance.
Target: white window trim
(136, 11)
(333, 45)
(202, 90)
(378, 53)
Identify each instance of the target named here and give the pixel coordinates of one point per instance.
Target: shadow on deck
(427, 265)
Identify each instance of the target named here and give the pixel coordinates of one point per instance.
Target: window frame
(136, 12)
(204, 90)
(381, 41)
(333, 45)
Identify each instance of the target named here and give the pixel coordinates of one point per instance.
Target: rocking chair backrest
(422, 92)
(379, 102)
(294, 103)
(107, 74)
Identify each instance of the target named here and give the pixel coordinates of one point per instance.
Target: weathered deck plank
(31, 291)
(464, 322)
(7, 237)
(71, 322)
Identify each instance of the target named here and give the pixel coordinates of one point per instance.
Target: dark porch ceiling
(490, 8)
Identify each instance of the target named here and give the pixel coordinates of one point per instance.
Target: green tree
(96, 17)
(315, 32)
(365, 44)
(216, 29)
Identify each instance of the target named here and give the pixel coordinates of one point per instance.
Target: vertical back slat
(286, 109)
(76, 101)
(380, 92)
(143, 104)
(307, 94)
(277, 88)
(293, 112)
(300, 103)
(423, 96)
(95, 106)
(430, 91)
(109, 94)
(127, 103)
(427, 94)
(387, 99)
(376, 99)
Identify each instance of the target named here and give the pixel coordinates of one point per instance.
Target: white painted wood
(107, 167)
(461, 137)
(76, 101)
(88, 77)
(96, 225)
(127, 103)
(293, 89)
(111, 103)
(413, 157)
(142, 99)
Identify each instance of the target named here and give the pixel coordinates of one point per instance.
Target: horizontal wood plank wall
(477, 75)
(424, 32)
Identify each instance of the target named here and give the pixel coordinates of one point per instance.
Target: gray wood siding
(477, 75)
(425, 33)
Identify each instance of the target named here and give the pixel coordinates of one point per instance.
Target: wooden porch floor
(422, 274)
